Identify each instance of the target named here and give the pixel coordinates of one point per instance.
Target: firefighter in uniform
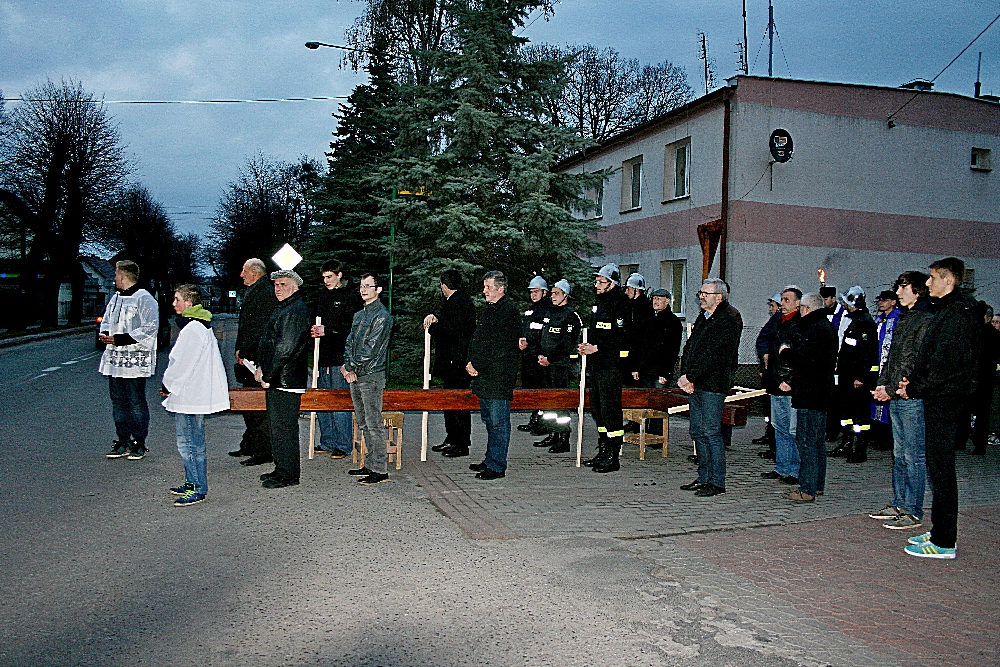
(558, 357)
(607, 346)
(857, 375)
(533, 375)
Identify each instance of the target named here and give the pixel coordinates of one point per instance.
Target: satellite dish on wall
(781, 145)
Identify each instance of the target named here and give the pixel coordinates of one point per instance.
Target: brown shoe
(798, 496)
(338, 454)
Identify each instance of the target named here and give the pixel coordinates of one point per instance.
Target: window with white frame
(631, 184)
(672, 273)
(596, 196)
(677, 170)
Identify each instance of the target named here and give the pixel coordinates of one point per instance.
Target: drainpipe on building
(726, 127)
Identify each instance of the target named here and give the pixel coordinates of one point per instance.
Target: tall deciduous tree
(269, 204)
(606, 94)
(479, 162)
(62, 161)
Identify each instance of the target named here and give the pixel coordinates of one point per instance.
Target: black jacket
(336, 308)
(637, 325)
(989, 356)
(284, 345)
(493, 350)
(906, 342)
(812, 359)
(452, 333)
(763, 343)
(947, 363)
(858, 358)
(535, 318)
(367, 345)
(561, 336)
(607, 330)
(662, 346)
(711, 352)
(779, 368)
(258, 304)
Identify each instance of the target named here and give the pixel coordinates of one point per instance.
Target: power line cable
(219, 101)
(967, 47)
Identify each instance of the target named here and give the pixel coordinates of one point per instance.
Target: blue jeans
(706, 431)
(129, 408)
(786, 452)
(496, 415)
(334, 427)
(909, 468)
(191, 445)
(810, 438)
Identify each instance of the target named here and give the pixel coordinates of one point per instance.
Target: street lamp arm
(316, 45)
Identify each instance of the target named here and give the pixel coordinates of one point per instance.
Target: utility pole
(979, 67)
(703, 55)
(746, 62)
(770, 38)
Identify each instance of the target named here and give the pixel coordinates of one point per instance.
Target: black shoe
(256, 460)
(119, 449)
(692, 486)
(790, 480)
(360, 472)
(709, 490)
(440, 448)
(277, 483)
(455, 452)
(137, 451)
(561, 445)
(490, 474)
(269, 475)
(539, 430)
(774, 474)
(337, 454)
(373, 478)
(240, 452)
(766, 454)
(693, 458)
(526, 427)
(608, 465)
(857, 457)
(478, 467)
(549, 440)
(762, 440)
(979, 451)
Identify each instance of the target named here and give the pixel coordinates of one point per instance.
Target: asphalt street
(553, 565)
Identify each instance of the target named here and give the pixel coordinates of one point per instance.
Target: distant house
(697, 192)
(99, 284)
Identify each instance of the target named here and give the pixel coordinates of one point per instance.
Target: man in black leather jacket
(283, 348)
(365, 354)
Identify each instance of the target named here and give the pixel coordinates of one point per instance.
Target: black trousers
(557, 377)
(941, 416)
(283, 415)
(532, 375)
(457, 423)
(855, 408)
(605, 383)
(257, 436)
(979, 404)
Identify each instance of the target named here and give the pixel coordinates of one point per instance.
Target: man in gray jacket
(909, 470)
(364, 369)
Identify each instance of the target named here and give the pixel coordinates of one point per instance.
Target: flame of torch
(822, 277)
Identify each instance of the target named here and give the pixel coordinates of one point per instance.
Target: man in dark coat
(778, 372)
(857, 373)
(982, 399)
(708, 367)
(335, 307)
(605, 348)
(451, 333)
(944, 376)
(258, 304)
(492, 365)
(763, 348)
(638, 321)
(813, 358)
(662, 344)
(558, 357)
(283, 350)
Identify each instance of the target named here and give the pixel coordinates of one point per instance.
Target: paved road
(551, 566)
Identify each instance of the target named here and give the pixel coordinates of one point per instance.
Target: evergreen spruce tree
(471, 147)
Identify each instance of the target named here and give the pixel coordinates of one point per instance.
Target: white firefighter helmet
(611, 272)
(563, 285)
(538, 283)
(637, 281)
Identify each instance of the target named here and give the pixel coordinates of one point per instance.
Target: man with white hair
(708, 367)
(284, 346)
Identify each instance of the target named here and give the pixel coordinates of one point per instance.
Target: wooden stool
(642, 438)
(393, 421)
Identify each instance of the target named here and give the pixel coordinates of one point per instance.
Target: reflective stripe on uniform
(562, 420)
(601, 429)
(603, 325)
(616, 434)
(874, 369)
(846, 422)
(623, 353)
(549, 415)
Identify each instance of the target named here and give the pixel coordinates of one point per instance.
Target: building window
(969, 282)
(631, 184)
(627, 270)
(981, 159)
(596, 196)
(672, 273)
(677, 170)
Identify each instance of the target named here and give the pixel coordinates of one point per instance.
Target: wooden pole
(579, 408)
(427, 385)
(315, 383)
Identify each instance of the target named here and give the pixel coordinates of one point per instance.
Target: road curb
(31, 338)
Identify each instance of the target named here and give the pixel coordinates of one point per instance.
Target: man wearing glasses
(365, 355)
(707, 368)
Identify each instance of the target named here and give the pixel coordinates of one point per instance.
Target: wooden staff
(427, 385)
(579, 408)
(315, 383)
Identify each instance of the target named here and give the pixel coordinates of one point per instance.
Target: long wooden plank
(403, 400)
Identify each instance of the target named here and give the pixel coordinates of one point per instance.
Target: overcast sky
(193, 49)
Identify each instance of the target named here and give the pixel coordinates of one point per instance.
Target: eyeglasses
(365, 286)
(700, 294)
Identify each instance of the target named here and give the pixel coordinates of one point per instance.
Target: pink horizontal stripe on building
(780, 224)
